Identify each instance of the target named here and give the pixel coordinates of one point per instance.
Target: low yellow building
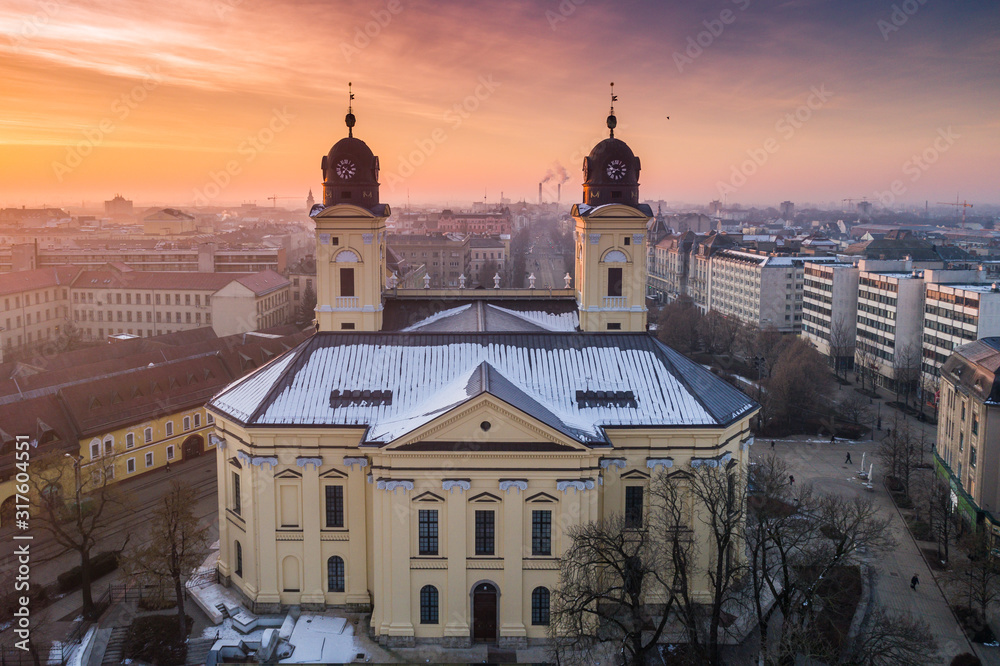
(425, 456)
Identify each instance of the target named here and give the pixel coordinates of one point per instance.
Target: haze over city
(229, 101)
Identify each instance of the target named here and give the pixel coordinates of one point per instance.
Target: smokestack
(539, 193)
(559, 193)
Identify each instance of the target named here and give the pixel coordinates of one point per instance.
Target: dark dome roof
(354, 148)
(606, 152)
(610, 149)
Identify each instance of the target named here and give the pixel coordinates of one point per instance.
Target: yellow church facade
(426, 459)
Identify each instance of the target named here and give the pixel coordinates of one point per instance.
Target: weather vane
(350, 119)
(612, 121)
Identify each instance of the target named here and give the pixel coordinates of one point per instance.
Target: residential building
(967, 453)
(168, 222)
(125, 409)
(890, 324)
(830, 310)
(35, 306)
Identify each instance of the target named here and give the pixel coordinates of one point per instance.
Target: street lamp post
(76, 477)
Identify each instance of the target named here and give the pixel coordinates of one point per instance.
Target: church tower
(610, 238)
(350, 238)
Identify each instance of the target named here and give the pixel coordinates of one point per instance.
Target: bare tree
(795, 539)
(866, 365)
(76, 525)
(677, 325)
(719, 332)
(176, 545)
(978, 573)
(607, 578)
(905, 370)
(855, 408)
(891, 640)
(940, 514)
(625, 584)
(841, 345)
(901, 451)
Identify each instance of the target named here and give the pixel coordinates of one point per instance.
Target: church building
(424, 454)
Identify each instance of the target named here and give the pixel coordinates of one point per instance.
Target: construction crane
(963, 204)
(863, 204)
(274, 200)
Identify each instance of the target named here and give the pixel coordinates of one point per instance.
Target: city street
(144, 492)
(546, 263)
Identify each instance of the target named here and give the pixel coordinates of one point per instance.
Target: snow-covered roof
(429, 374)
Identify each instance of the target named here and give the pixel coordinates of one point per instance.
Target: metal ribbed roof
(428, 374)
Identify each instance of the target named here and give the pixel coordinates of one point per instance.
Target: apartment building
(890, 324)
(146, 256)
(38, 304)
(479, 253)
(144, 303)
(830, 310)
(968, 440)
(761, 290)
(954, 315)
(35, 306)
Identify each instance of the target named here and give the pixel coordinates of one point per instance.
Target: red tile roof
(111, 278)
(264, 282)
(39, 278)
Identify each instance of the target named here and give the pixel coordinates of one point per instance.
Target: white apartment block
(830, 310)
(890, 322)
(761, 290)
(955, 315)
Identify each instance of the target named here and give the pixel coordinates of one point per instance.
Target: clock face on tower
(346, 169)
(616, 169)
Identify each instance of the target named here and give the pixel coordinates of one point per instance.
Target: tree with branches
(890, 640)
(841, 345)
(76, 525)
(177, 544)
(795, 539)
(905, 370)
(623, 582)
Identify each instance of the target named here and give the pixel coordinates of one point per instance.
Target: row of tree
(627, 588)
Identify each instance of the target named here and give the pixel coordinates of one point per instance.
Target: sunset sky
(156, 100)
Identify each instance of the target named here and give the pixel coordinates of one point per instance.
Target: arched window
(540, 606)
(428, 605)
(239, 560)
(335, 574)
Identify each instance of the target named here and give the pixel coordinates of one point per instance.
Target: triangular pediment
(492, 425)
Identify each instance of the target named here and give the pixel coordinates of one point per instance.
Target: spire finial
(350, 119)
(612, 121)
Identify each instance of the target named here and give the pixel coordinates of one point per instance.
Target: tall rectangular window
(334, 506)
(427, 533)
(347, 282)
(237, 500)
(614, 282)
(541, 532)
(485, 533)
(633, 506)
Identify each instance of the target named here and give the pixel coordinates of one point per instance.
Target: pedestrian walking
(772, 444)
(833, 439)
(791, 480)
(914, 581)
(847, 460)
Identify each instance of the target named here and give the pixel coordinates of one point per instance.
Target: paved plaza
(817, 461)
